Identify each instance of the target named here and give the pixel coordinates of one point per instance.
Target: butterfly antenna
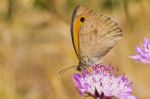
(63, 70)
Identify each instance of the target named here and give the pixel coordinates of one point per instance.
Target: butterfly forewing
(96, 36)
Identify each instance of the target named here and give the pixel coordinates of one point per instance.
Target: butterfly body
(93, 35)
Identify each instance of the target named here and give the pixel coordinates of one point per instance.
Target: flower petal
(103, 80)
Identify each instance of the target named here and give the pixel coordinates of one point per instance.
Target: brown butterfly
(93, 35)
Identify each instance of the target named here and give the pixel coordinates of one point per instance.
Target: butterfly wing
(95, 36)
(75, 26)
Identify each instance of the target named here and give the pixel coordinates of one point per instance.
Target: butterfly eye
(82, 19)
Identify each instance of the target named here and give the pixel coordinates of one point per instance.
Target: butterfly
(93, 35)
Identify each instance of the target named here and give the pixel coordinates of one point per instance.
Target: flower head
(102, 83)
(143, 53)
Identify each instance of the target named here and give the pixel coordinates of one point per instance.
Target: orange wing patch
(76, 28)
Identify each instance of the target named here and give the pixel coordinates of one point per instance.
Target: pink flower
(102, 83)
(143, 53)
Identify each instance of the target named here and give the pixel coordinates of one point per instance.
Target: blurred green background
(35, 44)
